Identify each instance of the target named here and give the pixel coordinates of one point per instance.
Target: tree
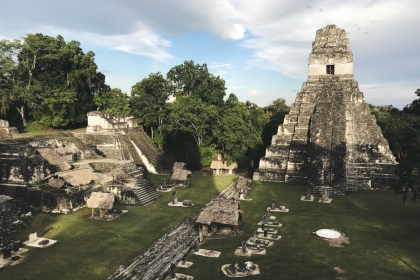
(235, 132)
(59, 109)
(8, 72)
(414, 107)
(39, 70)
(148, 101)
(195, 80)
(193, 116)
(113, 102)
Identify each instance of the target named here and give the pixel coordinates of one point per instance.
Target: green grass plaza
(383, 236)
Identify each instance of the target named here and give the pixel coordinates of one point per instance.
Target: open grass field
(91, 249)
(384, 241)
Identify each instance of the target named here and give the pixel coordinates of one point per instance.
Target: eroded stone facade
(329, 137)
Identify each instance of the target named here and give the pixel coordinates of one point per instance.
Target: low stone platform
(260, 230)
(207, 253)
(240, 274)
(269, 224)
(179, 276)
(107, 219)
(178, 204)
(245, 199)
(268, 237)
(39, 239)
(186, 265)
(250, 251)
(302, 198)
(263, 243)
(325, 201)
(281, 209)
(9, 261)
(164, 190)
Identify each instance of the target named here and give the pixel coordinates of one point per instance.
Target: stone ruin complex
(45, 174)
(329, 138)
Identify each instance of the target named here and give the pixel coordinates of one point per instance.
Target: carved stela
(329, 138)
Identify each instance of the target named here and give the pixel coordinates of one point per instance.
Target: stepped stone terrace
(329, 138)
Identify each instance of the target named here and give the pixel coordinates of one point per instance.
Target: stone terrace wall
(22, 164)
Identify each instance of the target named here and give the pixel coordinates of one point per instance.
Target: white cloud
(219, 65)
(220, 73)
(282, 32)
(253, 92)
(398, 94)
(237, 87)
(5, 38)
(142, 42)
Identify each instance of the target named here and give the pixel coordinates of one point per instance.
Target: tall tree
(40, 70)
(195, 80)
(113, 102)
(148, 101)
(236, 132)
(414, 107)
(193, 116)
(9, 74)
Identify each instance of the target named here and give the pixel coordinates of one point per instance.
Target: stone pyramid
(329, 138)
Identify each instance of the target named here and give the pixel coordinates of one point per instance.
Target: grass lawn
(91, 249)
(384, 241)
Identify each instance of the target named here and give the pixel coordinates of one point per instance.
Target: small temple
(329, 138)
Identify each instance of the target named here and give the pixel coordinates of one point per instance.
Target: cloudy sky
(260, 47)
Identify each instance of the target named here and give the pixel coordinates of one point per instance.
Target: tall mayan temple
(329, 138)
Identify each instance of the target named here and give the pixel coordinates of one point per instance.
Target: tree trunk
(22, 114)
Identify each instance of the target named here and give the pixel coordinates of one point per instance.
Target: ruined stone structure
(121, 138)
(7, 132)
(329, 138)
(102, 123)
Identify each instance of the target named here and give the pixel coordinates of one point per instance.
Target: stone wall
(12, 215)
(55, 201)
(7, 132)
(22, 164)
(102, 123)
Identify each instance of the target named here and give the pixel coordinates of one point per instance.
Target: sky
(260, 47)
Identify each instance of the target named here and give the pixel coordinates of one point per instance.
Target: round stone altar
(328, 233)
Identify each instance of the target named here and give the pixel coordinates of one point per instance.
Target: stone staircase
(144, 191)
(153, 158)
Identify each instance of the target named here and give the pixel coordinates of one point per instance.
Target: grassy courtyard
(91, 249)
(384, 240)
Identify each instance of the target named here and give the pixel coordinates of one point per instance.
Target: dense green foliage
(402, 130)
(48, 80)
(200, 123)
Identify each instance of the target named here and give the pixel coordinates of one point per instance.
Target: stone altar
(329, 138)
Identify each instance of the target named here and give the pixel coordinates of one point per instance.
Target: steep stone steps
(137, 137)
(144, 191)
